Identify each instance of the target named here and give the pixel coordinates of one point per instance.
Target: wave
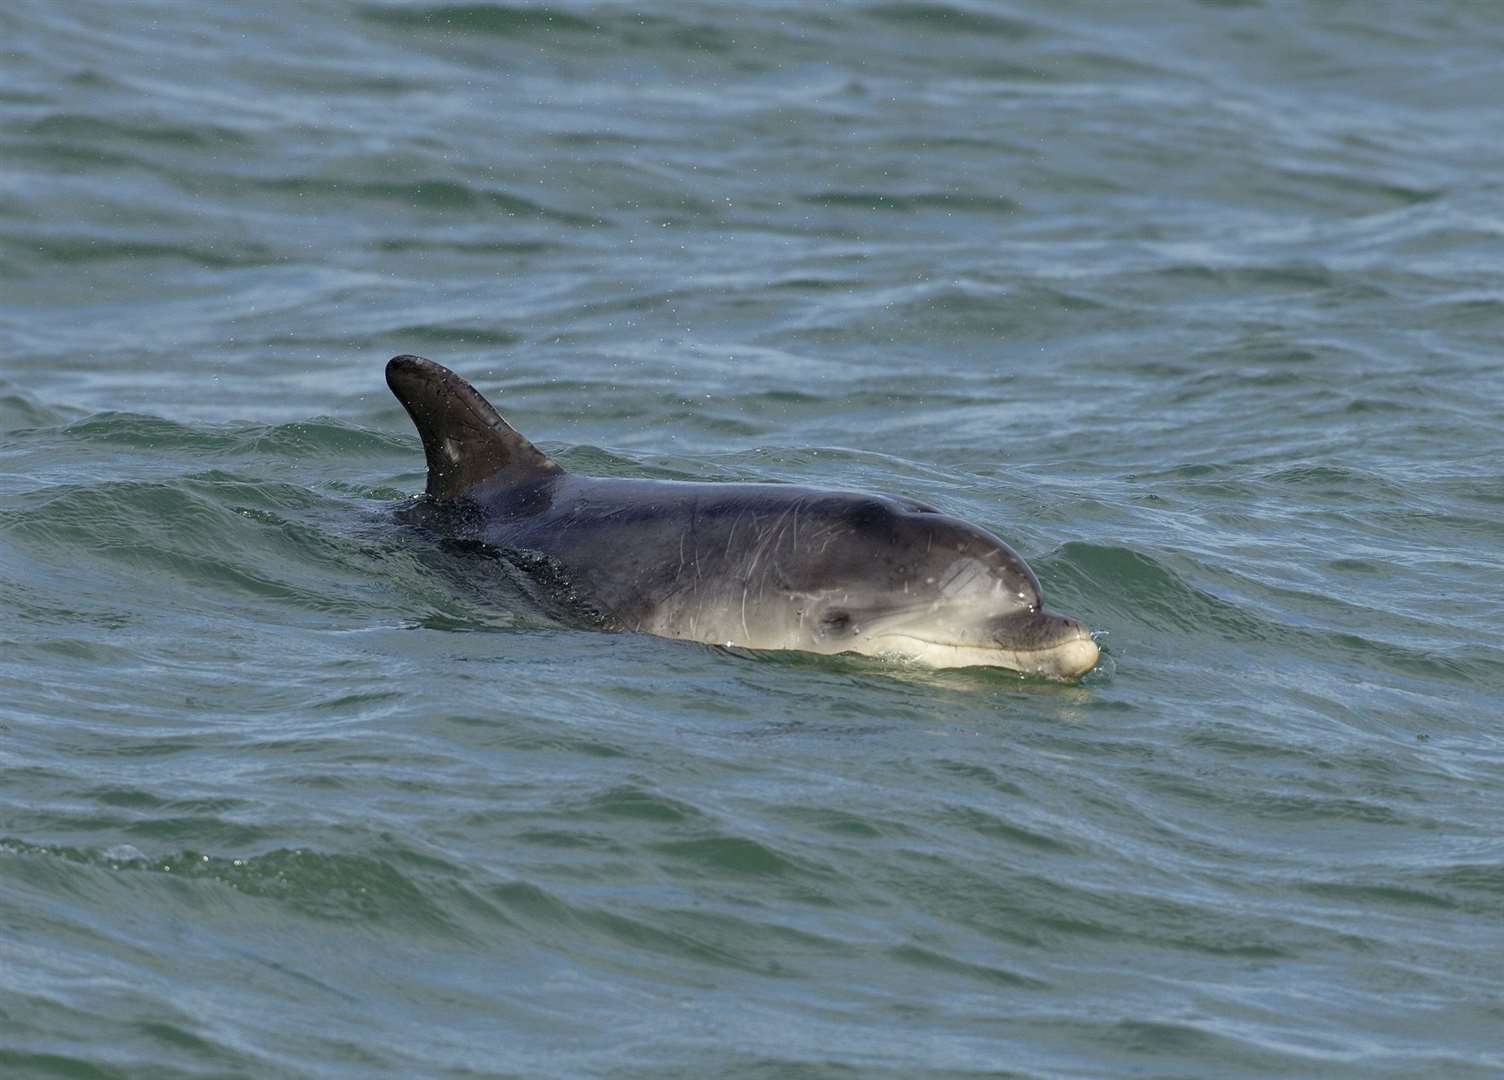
(342, 887)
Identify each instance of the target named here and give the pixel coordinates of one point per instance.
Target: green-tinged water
(1199, 305)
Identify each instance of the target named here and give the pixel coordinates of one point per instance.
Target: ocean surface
(1199, 305)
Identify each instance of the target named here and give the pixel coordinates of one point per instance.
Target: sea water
(1200, 306)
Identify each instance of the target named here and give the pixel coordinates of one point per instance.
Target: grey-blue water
(1198, 305)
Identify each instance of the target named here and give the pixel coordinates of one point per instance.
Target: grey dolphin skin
(762, 566)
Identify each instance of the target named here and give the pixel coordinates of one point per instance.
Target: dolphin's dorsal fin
(465, 440)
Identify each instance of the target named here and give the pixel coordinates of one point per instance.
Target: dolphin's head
(902, 579)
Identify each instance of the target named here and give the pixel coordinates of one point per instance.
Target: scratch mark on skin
(694, 532)
(781, 526)
(731, 537)
(827, 536)
(766, 542)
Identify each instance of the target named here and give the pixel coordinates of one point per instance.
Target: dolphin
(759, 566)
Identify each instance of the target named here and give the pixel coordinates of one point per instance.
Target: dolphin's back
(638, 545)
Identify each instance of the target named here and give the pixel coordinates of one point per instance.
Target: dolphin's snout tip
(1076, 657)
(1078, 652)
(1047, 643)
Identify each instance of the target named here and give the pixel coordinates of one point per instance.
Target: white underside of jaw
(1068, 660)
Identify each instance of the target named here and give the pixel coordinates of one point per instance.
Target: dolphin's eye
(835, 621)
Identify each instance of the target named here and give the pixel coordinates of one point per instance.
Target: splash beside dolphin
(763, 566)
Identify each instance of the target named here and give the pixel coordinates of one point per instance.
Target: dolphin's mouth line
(1019, 650)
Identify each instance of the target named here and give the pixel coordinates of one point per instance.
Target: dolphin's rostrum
(763, 566)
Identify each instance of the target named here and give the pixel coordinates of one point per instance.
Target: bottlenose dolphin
(762, 566)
